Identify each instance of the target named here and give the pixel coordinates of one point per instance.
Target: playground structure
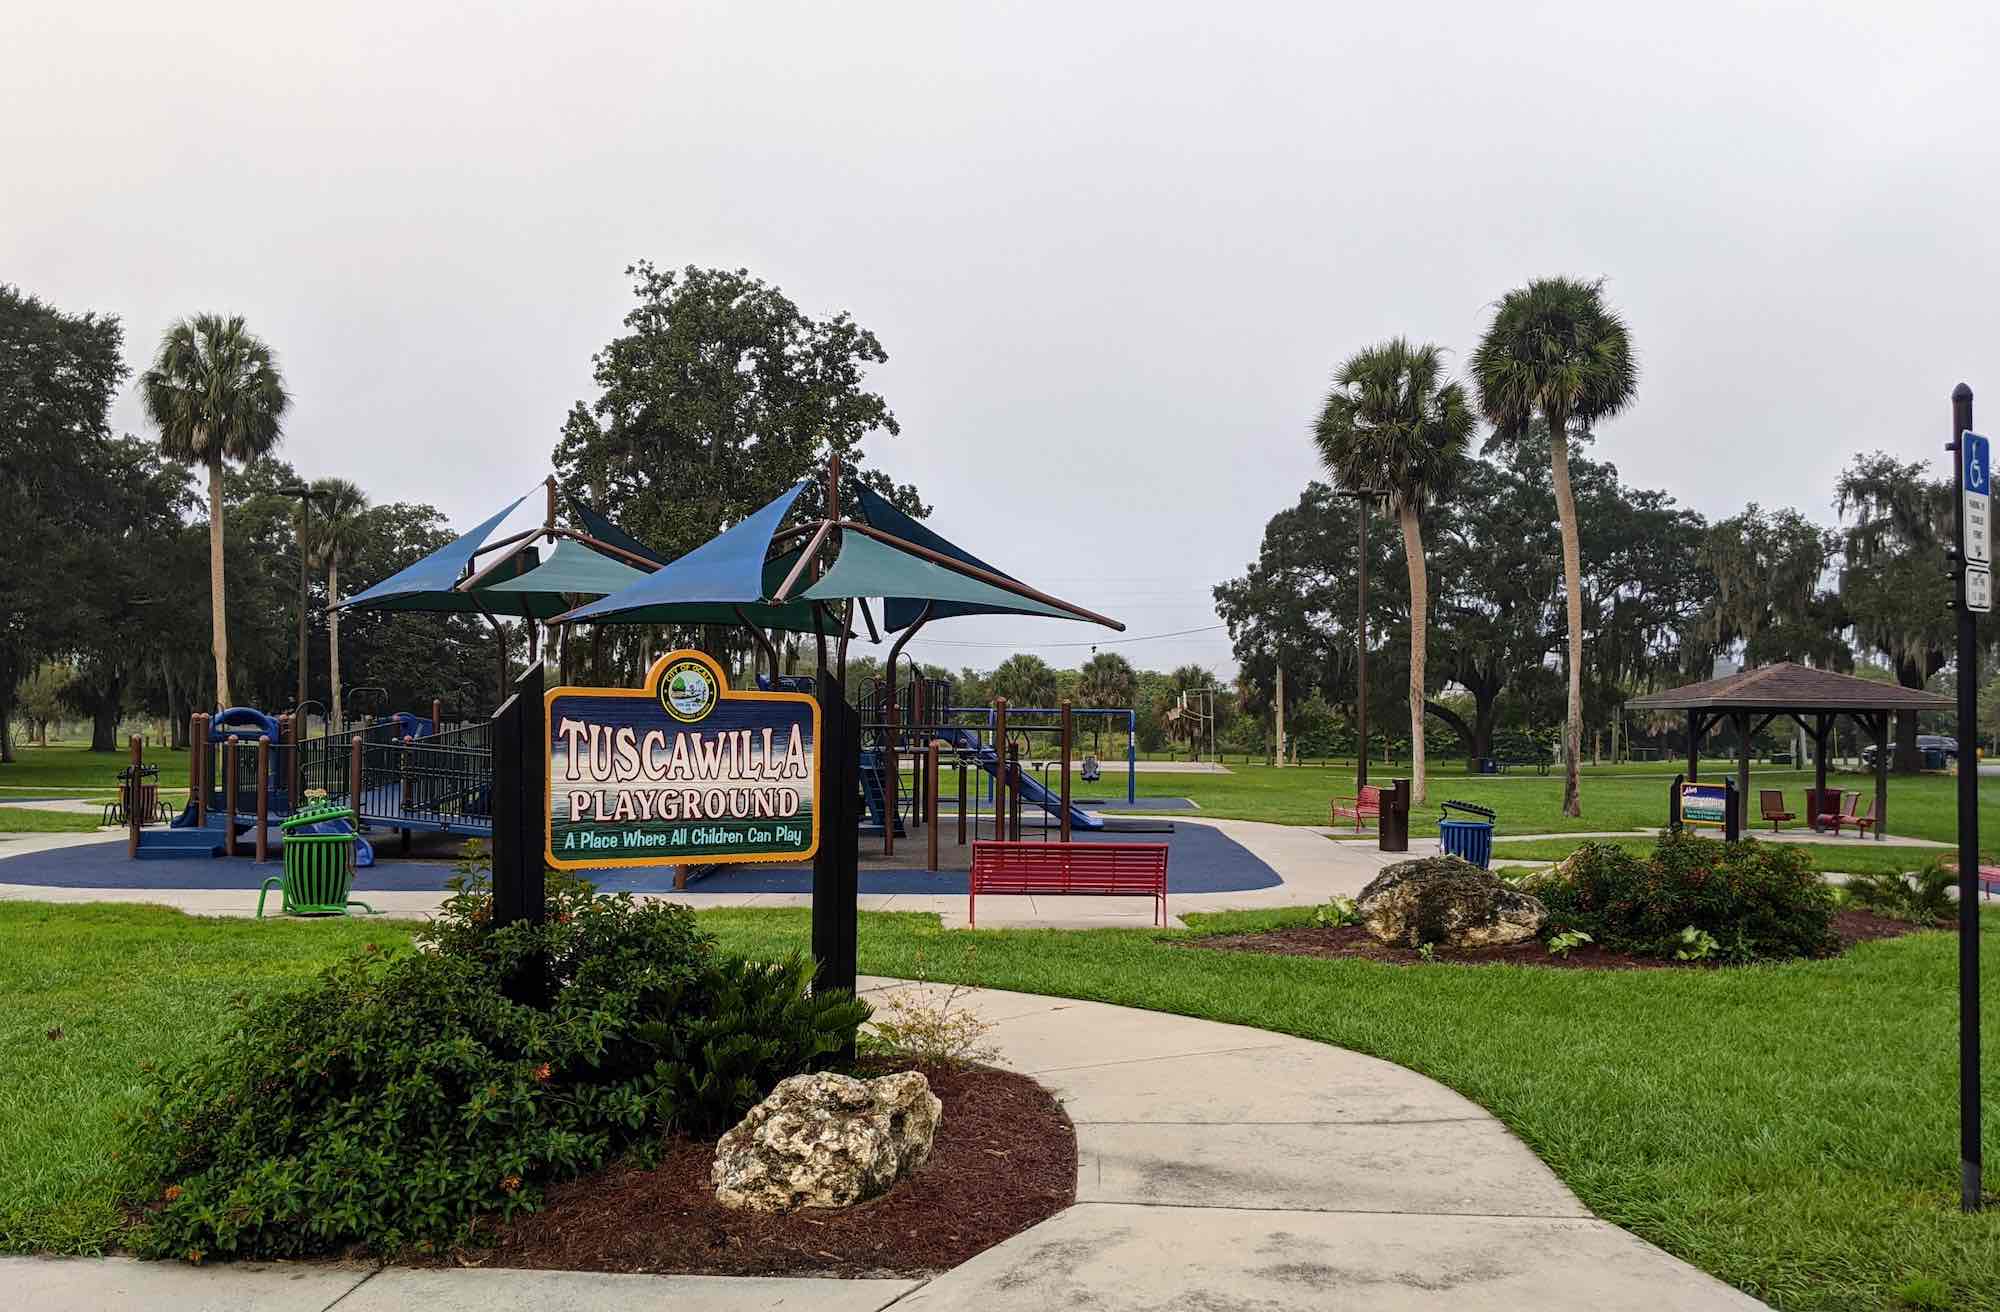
(248, 774)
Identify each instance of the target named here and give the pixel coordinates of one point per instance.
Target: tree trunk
(333, 637)
(1573, 599)
(218, 627)
(1413, 555)
(104, 726)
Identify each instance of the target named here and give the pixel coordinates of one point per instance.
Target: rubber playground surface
(1201, 859)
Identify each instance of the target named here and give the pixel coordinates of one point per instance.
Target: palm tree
(1556, 350)
(216, 395)
(1395, 426)
(1025, 679)
(1108, 681)
(336, 536)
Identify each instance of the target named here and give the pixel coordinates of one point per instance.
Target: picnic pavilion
(1813, 699)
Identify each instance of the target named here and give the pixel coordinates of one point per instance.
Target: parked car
(1926, 744)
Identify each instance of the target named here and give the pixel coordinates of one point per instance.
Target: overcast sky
(1113, 251)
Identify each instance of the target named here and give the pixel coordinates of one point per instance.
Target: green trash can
(319, 867)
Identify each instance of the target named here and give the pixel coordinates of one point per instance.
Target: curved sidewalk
(1218, 1167)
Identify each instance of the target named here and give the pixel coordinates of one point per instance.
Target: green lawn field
(1789, 1128)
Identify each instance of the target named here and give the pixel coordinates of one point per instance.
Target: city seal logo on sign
(680, 771)
(687, 690)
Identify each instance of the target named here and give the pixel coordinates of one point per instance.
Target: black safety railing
(418, 781)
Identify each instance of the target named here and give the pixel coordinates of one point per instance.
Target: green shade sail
(867, 568)
(571, 570)
(790, 617)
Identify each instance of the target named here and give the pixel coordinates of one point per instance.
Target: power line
(1107, 642)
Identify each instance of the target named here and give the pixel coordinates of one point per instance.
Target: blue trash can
(1469, 840)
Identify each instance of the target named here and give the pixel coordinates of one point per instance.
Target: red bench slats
(1369, 803)
(1084, 869)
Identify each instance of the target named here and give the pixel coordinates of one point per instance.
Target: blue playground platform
(1201, 860)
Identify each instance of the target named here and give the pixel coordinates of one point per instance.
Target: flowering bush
(402, 1095)
(1752, 900)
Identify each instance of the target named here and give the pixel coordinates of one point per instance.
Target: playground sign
(1705, 804)
(680, 771)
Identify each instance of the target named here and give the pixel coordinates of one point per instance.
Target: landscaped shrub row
(401, 1096)
(1754, 900)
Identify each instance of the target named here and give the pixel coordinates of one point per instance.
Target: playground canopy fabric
(730, 571)
(572, 569)
(604, 530)
(431, 583)
(867, 568)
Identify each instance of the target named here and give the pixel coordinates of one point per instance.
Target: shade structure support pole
(763, 641)
(931, 803)
(1065, 740)
(1882, 773)
(1694, 746)
(1000, 779)
(1821, 723)
(520, 824)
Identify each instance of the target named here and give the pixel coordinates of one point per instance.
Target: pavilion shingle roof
(1788, 686)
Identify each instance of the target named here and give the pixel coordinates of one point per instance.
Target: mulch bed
(1354, 941)
(1004, 1158)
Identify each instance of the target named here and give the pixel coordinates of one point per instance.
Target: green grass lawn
(1857, 858)
(22, 820)
(1790, 1128)
(69, 766)
(122, 984)
(1614, 798)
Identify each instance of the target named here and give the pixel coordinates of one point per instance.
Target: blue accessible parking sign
(1975, 508)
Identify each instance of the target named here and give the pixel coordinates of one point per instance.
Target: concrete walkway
(1218, 1167)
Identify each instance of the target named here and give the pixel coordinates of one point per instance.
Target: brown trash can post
(1393, 826)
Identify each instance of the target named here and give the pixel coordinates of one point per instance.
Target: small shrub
(1922, 898)
(925, 1026)
(1336, 912)
(401, 1096)
(1561, 945)
(1755, 900)
(1695, 945)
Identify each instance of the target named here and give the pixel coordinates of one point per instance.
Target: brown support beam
(1821, 723)
(198, 766)
(1742, 722)
(1694, 745)
(229, 797)
(354, 778)
(1000, 767)
(263, 798)
(963, 808)
(892, 772)
(1065, 768)
(931, 808)
(1881, 774)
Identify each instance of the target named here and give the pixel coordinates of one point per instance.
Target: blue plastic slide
(1032, 790)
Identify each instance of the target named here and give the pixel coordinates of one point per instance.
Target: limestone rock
(1449, 902)
(826, 1140)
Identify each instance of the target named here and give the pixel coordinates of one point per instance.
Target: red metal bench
(1089, 869)
(1368, 806)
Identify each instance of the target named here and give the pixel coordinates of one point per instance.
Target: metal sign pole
(1973, 596)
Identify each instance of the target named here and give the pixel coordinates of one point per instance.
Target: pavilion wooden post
(1694, 746)
(1000, 768)
(132, 798)
(229, 797)
(1882, 722)
(1065, 768)
(263, 798)
(437, 715)
(1742, 722)
(1821, 722)
(931, 804)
